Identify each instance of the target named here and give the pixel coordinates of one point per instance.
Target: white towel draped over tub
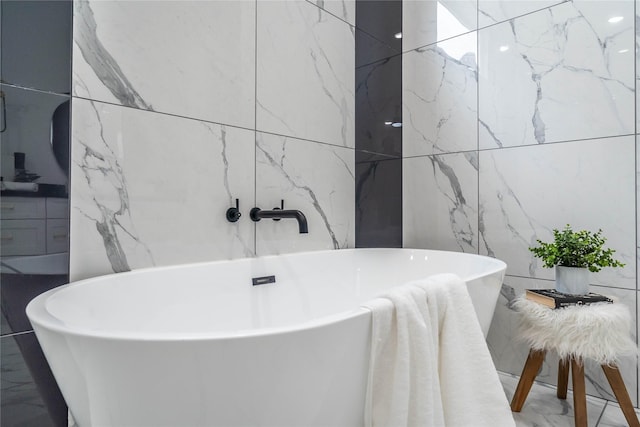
(430, 365)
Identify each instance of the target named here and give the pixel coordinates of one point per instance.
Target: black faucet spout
(257, 214)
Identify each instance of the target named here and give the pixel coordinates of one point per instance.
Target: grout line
(635, 145)
(252, 129)
(481, 150)
(401, 164)
(604, 408)
(15, 334)
(479, 28)
(32, 89)
(477, 150)
(332, 14)
(542, 385)
(255, 126)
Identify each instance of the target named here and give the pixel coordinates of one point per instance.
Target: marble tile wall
(182, 107)
(517, 123)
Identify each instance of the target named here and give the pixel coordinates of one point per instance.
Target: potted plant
(574, 254)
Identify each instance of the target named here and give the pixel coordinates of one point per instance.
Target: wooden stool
(543, 328)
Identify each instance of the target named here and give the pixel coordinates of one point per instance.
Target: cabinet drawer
(57, 208)
(22, 208)
(22, 237)
(57, 235)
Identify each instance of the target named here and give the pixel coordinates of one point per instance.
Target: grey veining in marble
(288, 170)
(543, 408)
(343, 9)
(569, 184)
(540, 75)
(278, 164)
(495, 11)
(319, 77)
(439, 97)
(101, 61)
(193, 59)
(637, 49)
(137, 195)
(98, 164)
(612, 416)
(440, 199)
(429, 21)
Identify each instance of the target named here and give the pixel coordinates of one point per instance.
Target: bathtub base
(279, 380)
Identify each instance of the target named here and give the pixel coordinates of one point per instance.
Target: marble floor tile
(612, 416)
(543, 408)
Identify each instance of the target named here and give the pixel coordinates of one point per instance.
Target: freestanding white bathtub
(200, 345)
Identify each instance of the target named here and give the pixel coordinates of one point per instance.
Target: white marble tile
(428, 21)
(318, 180)
(543, 408)
(637, 49)
(541, 75)
(493, 11)
(305, 73)
(526, 192)
(343, 9)
(613, 416)
(189, 58)
(439, 95)
(509, 353)
(151, 189)
(440, 202)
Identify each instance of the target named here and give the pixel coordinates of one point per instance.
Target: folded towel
(18, 186)
(430, 364)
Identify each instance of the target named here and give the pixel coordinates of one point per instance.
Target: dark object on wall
(378, 119)
(233, 214)
(277, 214)
(60, 135)
(3, 112)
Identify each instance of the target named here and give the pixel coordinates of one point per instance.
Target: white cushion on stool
(598, 331)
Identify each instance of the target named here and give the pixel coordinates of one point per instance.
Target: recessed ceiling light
(504, 48)
(388, 122)
(615, 19)
(623, 51)
(398, 35)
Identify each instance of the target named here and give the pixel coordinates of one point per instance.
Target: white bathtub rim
(53, 324)
(37, 307)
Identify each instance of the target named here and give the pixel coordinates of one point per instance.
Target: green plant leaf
(576, 249)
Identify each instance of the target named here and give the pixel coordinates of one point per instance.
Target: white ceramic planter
(572, 280)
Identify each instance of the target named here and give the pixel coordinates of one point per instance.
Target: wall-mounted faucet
(233, 214)
(277, 214)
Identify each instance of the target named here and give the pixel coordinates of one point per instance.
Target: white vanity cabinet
(33, 225)
(57, 225)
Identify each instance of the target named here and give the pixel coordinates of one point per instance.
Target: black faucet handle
(233, 214)
(281, 208)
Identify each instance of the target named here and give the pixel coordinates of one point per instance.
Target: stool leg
(563, 378)
(620, 391)
(529, 373)
(579, 393)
